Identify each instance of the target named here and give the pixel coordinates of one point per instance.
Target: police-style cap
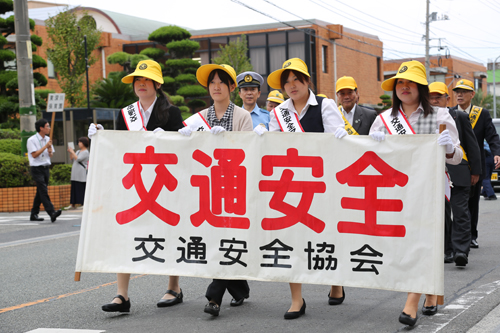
(410, 70)
(249, 79)
(275, 96)
(438, 87)
(296, 64)
(204, 71)
(346, 82)
(146, 68)
(464, 84)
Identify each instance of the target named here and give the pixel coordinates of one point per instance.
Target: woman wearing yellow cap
(153, 112)
(302, 112)
(412, 113)
(222, 116)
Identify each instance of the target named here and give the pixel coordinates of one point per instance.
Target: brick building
(330, 52)
(445, 70)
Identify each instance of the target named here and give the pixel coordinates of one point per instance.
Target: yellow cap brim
(463, 87)
(388, 85)
(274, 79)
(346, 87)
(130, 78)
(275, 100)
(204, 71)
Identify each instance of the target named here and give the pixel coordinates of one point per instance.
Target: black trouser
(474, 208)
(458, 230)
(237, 288)
(41, 175)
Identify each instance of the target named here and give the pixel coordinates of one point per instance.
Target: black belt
(41, 166)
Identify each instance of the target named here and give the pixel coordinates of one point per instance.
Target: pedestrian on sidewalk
(40, 150)
(79, 172)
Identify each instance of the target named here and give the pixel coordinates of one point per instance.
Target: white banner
(290, 207)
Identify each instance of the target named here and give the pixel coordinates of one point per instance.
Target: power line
(355, 39)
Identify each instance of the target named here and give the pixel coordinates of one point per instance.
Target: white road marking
(456, 308)
(63, 330)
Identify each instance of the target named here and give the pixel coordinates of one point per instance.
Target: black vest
(313, 120)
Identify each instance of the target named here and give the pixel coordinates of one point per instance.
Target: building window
(324, 58)
(50, 70)
(379, 72)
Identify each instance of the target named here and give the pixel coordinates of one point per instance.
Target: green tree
(234, 54)
(9, 98)
(483, 100)
(67, 51)
(112, 93)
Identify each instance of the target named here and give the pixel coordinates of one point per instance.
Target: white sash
(133, 117)
(400, 125)
(396, 125)
(197, 121)
(288, 121)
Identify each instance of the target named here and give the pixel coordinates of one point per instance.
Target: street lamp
(87, 71)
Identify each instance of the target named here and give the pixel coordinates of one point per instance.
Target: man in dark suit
(358, 119)
(482, 125)
(458, 231)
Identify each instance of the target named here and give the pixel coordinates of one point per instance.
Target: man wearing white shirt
(355, 116)
(40, 150)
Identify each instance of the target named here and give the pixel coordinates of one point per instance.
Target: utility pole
(427, 59)
(494, 88)
(27, 108)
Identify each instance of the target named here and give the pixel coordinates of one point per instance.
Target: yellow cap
(346, 82)
(411, 70)
(146, 68)
(204, 71)
(275, 96)
(438, 87)
(322, 95)
(464, 84)
(296, 64)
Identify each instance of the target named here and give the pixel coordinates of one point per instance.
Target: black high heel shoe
(124, 306)
(429, 310)
(336, 301)
(407, 319)
(296, 314)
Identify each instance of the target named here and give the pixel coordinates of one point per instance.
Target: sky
(472, 30)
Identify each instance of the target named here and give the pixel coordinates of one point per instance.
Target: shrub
(185, 109)
(196, 103)
(177, 100)
(192, 91)
(12, 146)
(153, 53)
(9, 133)
(60, 174)
(14, 171)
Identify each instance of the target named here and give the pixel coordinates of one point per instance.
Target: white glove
(260, 130)
(186, 131)
(93, 130)
(217, 129)
(340, 133)
(378, 136)
(445, 140)
(158, 129)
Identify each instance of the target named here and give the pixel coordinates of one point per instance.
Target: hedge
(12, 146)
(14, 171)
(8, 133)
(60, 174)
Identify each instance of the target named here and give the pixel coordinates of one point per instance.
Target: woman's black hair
(223, 76)
(162, 98)
(300, 76)
(423, 96)
(84, 140)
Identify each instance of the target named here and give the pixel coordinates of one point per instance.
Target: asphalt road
(38, 291)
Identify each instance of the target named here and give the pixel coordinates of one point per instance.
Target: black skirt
(77, 192)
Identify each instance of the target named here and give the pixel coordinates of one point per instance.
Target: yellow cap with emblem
(296, 64)
(146, 68)
(275, 96)
(464, 84)
(410, 70)
(204, 71)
